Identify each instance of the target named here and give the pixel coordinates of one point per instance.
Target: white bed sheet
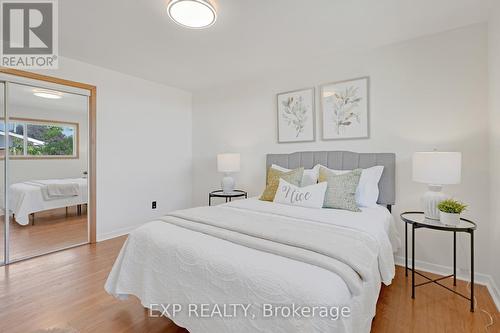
(26, 198)
(165, 264)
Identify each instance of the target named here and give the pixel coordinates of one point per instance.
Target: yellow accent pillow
(273, 180)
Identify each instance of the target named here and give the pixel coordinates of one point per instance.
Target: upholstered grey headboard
(345, 160)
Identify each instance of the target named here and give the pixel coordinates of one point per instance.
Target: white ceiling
(21, 98)
(250, 38)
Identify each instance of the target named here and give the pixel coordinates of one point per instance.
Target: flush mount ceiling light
(194, 14)
(47, 93)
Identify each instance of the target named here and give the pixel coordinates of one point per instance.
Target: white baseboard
(479, 278)
(116, 233)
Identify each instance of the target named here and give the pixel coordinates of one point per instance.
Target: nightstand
(228, 196)
(417, 220)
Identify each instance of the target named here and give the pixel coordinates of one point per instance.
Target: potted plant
(450, 210)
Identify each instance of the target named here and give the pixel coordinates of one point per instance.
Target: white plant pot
(449, 218)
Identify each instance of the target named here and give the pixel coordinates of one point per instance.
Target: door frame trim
(92, 136)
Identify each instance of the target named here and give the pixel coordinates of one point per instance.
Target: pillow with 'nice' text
(311, 196)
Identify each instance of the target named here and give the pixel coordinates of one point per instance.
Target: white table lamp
(228, 163)
(436, 169)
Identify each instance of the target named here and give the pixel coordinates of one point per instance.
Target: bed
(28, 197)
(267, 258)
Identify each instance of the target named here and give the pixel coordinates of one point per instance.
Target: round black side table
(417, 220)
(228, 196)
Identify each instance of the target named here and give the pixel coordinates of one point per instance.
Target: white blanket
(164, 263)
(375, 221)
(55, 188)
(62, 190)
(29, 197)
(320, 244)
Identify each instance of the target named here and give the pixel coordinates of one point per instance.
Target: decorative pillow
(273, 179)
(311, 196)
(367, 192)
(310, 176)
(341, 189)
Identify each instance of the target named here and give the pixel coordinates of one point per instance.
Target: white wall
(143, 146)
(426, 93)
(494, 69)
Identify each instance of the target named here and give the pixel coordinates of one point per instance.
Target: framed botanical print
(296, 121)
(344, 108)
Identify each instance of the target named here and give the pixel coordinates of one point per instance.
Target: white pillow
(309, 177)
(311, 196)
(367, 191)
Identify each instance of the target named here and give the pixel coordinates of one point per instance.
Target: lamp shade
(437, 168)
(228, 162)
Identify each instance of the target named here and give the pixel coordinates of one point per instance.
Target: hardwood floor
(52, 230)
(434, 310)
(65, 289)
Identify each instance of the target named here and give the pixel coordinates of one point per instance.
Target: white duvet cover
(167, 262)
(26, 198)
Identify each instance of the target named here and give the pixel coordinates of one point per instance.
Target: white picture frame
(296, 116)
(345, 109)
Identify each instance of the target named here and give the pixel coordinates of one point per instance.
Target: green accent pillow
(341, 189)
(273, 180)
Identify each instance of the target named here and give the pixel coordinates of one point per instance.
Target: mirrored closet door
(3, 215)
(45, 162)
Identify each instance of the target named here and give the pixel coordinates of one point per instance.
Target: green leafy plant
(452, 206)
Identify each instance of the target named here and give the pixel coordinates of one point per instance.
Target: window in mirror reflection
(40, 139)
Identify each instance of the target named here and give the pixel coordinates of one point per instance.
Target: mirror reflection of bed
(47, 191)
(52, 215)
